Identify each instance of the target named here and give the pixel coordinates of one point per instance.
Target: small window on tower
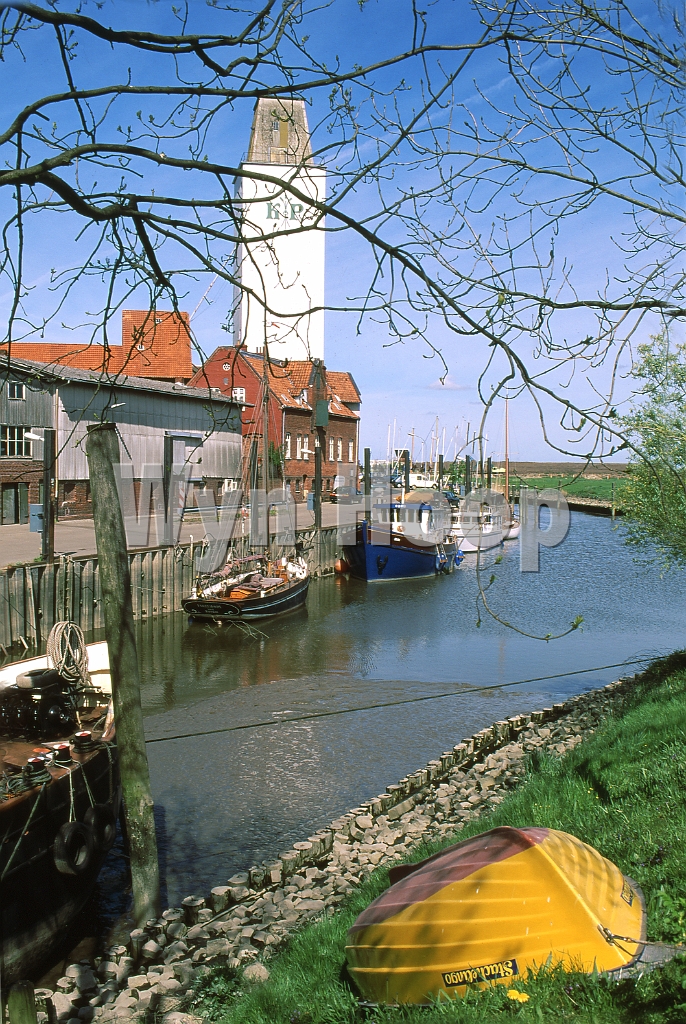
(275, 125)
(141, 347)
(158, 319)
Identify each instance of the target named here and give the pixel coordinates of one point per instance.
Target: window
(15, 389)
(12, 443)
(158, 319)
(275, 125)
(297, 485)
(299, 446)
(306, 447)
(339, 447)
(238, 394)
(288, 445)
(351, 451)
(226, 367)
(330, 449)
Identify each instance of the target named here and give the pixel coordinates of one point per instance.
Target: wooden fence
(34, 597)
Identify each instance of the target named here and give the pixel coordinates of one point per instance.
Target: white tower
(281, 301)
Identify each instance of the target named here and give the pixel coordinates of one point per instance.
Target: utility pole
(507, 449)
(318, 479)
(102, 449)
(49, 453)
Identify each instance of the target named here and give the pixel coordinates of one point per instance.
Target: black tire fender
(101, 821)
(73, 848)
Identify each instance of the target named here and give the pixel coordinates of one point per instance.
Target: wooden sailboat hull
(37, 901)
(209, 609)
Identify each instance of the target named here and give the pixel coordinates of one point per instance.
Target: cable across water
(391, 703)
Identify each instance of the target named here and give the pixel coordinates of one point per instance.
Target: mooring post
(102, 449)
(21, 1004)
(49, 458)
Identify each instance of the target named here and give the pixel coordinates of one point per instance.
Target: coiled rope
(66, 649)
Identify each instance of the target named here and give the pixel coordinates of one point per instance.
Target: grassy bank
(581, 488)
(624, 792)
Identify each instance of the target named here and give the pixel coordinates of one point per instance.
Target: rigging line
(391, 703)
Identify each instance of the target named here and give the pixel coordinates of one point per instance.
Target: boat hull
(489, 910)
(38, 903)
(399, 559)
(209, 609)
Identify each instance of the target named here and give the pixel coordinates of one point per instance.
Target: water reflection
(233, 798)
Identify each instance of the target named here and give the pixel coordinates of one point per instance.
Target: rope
(22, 833)
(72, 815)
(66, 649)
(615, 940)
(391, 703)
(88, 789)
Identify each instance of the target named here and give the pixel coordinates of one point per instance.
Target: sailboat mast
(265, 447)
(507, 449)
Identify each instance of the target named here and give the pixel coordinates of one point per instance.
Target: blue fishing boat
(404, 540)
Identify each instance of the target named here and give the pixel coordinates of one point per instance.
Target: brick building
(294, 388)
(154, 344)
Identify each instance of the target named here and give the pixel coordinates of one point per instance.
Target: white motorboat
(476, 527)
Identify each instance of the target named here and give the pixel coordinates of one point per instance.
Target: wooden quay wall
(33, 597)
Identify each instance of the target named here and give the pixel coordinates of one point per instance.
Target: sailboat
(257, 586)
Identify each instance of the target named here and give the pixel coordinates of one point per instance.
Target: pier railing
(35, 596)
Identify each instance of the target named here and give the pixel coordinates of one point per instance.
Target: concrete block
(402, 808)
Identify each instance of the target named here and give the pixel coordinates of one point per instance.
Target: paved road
(76, 537)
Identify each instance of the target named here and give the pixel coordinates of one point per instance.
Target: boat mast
(265, 445)
(507, 450)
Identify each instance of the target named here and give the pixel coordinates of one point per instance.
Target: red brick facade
(154, 344)
(294, 388)
(20, 486)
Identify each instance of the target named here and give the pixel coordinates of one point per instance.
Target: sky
(405, 384)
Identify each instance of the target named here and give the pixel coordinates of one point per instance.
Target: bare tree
(534, 126)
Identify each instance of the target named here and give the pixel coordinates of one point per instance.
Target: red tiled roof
(155, 344)
(287, 380)
(342, 384)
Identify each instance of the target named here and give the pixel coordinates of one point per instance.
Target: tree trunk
(115, 578)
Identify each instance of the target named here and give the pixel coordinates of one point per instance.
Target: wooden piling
(21, 1004)
(102, 449)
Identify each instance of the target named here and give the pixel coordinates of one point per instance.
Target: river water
(248, 782)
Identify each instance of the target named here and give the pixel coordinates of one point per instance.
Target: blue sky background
(399, 382)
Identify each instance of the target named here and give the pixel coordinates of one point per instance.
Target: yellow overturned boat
(490, 908)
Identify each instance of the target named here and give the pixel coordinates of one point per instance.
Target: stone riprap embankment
(257, 909)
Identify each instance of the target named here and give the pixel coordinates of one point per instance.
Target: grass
(622, 791)
(581, 488)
